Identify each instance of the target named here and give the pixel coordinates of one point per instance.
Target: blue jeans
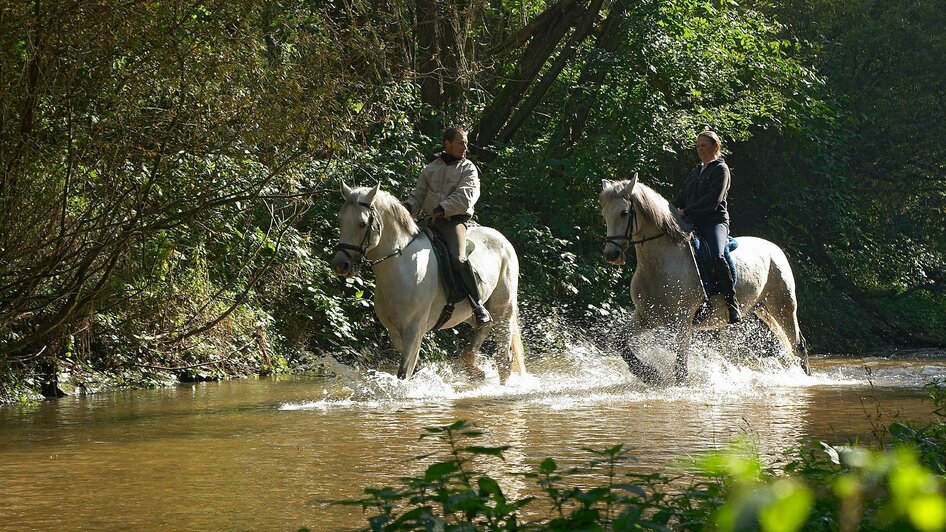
(716, 236)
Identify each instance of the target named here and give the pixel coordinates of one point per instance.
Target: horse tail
(518, 350)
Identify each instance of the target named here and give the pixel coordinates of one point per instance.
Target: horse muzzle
(343, 265)
(613, 254)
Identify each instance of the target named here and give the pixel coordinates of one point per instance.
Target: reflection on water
(256, 455)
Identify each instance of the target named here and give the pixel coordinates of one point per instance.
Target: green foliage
(871, 162)
(900, 487)
(449, 495)
(170, 171)
(679, 67)
(157, 159)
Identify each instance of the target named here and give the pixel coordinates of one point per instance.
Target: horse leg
(517, 351)
(787, 317)
(643, 371)
(411, 338)
(799, 347)
(680, 372)
(801, 351)
(503, 306)
(728, 345)
(468, 356)
(503, 342)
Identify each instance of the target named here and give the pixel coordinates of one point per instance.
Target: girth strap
(445, 316)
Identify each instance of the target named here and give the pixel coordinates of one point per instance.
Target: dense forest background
(168, 170)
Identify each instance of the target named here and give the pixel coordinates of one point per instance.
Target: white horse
(666, 287)
(409, 296)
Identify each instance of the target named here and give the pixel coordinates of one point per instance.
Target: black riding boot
(469, 280)
(726, 282)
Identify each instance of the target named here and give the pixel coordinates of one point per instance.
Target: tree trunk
(540, 48)
(428, 51)
(568, 52)
(578, 109)
(452, 35)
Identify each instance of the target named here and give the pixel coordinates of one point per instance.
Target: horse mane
(386, 202)
(653, 206)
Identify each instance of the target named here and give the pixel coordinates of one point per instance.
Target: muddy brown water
(262, 454)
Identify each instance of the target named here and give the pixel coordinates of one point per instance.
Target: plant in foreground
(900, 487)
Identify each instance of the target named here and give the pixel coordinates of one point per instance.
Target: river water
(265, 454)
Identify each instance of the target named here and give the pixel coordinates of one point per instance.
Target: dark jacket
(703, 195)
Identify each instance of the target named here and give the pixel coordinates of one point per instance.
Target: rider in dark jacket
(702, 202)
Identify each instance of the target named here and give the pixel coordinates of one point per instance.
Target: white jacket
(455, 187)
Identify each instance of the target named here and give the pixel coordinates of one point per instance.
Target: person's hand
(409, 205)
(438, 212)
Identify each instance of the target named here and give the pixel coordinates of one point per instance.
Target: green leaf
(928, 512)
(633, 488)
(422, 514)
(790, 508)
(439, 470)
(490, 487)
(491, 451)
(902, 432)
(466, 502)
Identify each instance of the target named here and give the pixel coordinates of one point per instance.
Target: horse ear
(346, 192)
(630, 186)
(605, 183)
(369, 199)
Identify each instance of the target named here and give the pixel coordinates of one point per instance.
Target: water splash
(571, 366)
(579, 374)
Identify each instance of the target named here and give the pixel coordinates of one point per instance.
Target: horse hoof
(474, 373)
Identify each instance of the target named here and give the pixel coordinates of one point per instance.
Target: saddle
(453, 286)
(702, 254)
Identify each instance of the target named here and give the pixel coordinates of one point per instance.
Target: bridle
(362, 248)
(624, 240)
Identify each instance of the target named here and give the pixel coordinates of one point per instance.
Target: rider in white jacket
(446, 191)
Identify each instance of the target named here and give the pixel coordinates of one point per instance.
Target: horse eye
(363, 225)
(623, 214)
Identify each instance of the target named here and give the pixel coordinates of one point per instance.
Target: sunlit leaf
(928, 512)
(790, 508)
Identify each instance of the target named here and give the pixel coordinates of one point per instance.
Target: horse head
(359, 228)
(617, 208)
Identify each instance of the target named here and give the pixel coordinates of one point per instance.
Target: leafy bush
(900, 486)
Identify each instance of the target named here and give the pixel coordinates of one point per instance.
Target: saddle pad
(452, 286)
(703, 258)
